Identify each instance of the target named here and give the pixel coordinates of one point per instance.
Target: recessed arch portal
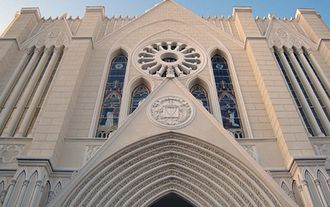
(142, 173)
(173, 200)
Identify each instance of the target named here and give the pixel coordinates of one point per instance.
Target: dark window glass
(226, 95)
(199, 92)
(108, 121)
(139, 94)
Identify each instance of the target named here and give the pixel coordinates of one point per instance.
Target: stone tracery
(203, 165)
(169, 59)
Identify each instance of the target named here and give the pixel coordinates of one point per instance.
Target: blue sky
(280, 8)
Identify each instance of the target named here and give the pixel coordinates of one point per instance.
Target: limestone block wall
(62, 116)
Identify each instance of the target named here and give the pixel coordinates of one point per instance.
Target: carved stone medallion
(171, 112)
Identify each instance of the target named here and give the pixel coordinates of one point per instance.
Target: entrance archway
(171, 200)
(141, 174)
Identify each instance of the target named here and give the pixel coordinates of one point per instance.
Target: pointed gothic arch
(171, 199)
(142, 172)
(229, 108)
(112, 95)
(138, 95)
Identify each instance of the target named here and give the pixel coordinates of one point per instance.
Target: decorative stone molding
(252, 150)
(322, 149)
(169, 59)
(90, 151)
(171, 112)
(133, 176)
(281, 37)
(54, 37)
(8, 152)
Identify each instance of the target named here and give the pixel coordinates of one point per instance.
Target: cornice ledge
(253, 38)
(306, 161)
(10, 39)
(321, 40)
(36, 162)
(84, 38)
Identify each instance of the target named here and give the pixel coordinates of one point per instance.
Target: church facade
(167, 108)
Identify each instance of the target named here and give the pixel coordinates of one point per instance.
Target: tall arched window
(108, 121)
(200, 93)
(226, 96)
(139, 94)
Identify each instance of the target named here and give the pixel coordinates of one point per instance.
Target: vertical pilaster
(27, 119)
(22, 193)
(14, 96)
(52, 122)
(291, 136)
(23, 24)
(316, 29)
(9, 192)
(27, 93)
(310, 93)
(51, 125)
(319, 71)
(305, 194)
(323, 96)
(15, 76)
(36, 193)
(320, 192)
(91, 22)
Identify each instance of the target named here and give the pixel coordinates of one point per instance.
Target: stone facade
(172, 122)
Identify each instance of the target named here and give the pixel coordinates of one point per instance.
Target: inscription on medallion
(171, 112)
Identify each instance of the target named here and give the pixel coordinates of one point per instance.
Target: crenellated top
(226, 24)
(263, 23)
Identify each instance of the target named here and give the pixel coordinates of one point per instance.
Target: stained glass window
(199, 92)
(226, 96)
(108, 121)
(139, 94)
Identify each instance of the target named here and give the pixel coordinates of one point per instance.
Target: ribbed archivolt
(140, 173)
(22, 97)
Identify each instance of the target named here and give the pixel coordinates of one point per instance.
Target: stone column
(22, 193)
(10, 191)
(2, 196)
(320, 192)
(323, 96)
(300, 95)
(13, 79)
(310, 92)
(319, 71)
(26, 121)
(28, 91)
(305, 194)
(36, 193)
(14, 96)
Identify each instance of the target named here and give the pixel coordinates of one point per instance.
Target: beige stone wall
(65, 128)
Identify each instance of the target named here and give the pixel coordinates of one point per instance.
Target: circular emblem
(171, 112)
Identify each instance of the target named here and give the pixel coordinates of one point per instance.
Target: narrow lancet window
(108, 121)
(226, 97)
(139, 94)
(200, 94)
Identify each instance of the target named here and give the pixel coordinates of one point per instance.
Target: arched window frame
(239, 98)
(99, 103)
(144, 86)
(206, 94)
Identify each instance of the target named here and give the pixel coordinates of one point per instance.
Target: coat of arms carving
(171, 112)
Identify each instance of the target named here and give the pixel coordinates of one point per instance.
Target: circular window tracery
(169, 59)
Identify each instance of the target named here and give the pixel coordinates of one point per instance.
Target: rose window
(169, 59)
